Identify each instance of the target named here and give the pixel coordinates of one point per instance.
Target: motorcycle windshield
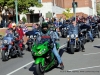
(43, 39)
(9, 39)
(73, 32)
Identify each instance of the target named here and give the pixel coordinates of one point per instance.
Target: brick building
(85, 8)
(97, 0)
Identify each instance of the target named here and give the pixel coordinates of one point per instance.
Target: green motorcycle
(43, 56)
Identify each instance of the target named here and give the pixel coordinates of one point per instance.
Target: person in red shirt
(21, 35)
(20, 32)
(10, 24)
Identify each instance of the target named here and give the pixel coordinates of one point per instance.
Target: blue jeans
(56, 54)
(90, 35)
(56, 35)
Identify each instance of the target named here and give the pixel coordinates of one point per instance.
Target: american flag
(25, 29)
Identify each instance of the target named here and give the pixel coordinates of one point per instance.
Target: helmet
(44, 25)
(13, 25)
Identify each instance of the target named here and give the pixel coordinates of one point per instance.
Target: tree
(23, 5)
(67, 13)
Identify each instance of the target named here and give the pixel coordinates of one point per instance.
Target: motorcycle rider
(9, 37)
(76, 30)
(45, 31)
(18, 30)
(88, 26)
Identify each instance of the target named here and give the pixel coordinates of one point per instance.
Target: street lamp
(16, 8)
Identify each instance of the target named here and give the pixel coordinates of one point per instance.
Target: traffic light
(75, 4)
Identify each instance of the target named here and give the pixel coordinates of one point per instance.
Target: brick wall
(68, 3)
(97, 0)
(47, 0)
(81, 3)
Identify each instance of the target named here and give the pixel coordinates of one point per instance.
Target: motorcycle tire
(24, 48)
(64, 36)
(87, 38)
(56, 63)
(98, 34)
(39, 69)
(4, 57)
(84, 40)
(29, 48)
(19, 51)
(72, 49)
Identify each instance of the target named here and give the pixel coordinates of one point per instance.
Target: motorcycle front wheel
(4, 55)
(72, 49)
(39, 69)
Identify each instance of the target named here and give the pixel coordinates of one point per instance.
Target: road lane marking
(92, 53)
(84, 68)
(20, 68)
(26, 64)
(62, 46)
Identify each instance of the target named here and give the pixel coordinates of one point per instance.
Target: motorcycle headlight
(64, 28)
(31, 36)
(72, 36)
(41, 52)
(76, 35)
(5, 41)
(34, 36)
(67, 36)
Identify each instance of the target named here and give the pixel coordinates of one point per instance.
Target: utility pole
(16, 8)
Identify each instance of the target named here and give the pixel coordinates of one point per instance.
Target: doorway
(34, 18)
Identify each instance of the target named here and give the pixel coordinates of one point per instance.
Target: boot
(83, 49)
(62, 66)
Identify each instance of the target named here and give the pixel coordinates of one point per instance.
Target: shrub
(24, 19)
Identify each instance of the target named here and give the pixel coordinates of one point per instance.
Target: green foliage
(23, 5)
(24, 19)
(67, 13)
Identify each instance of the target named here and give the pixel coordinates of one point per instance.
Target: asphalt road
(80, 63)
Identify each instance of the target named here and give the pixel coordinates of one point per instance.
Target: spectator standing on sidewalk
(41, 20)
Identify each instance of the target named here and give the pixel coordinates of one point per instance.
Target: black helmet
(44, 25)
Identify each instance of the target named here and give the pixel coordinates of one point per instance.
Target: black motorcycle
(95, 31)
(64, 31)
(30, 42)
(85, 29)
(83, 35)
(73, 44)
